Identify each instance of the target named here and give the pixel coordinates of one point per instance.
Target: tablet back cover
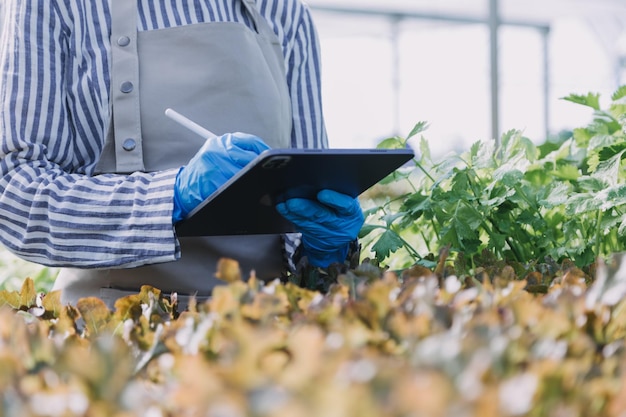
(245, 205)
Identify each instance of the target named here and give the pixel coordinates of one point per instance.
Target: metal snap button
(126, 87)
(123, 41)
(129, 144)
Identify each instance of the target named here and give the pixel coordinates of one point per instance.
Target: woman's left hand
(328, 225)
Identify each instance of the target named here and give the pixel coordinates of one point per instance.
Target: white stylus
(189, 124)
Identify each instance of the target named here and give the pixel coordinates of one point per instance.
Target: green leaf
(601, 141)
(618, 110)
(395, 176)
(609, 169)
(612, 197)
(604, 122)
(391, 217)
(386, 244)
(591, 100)
(539, 176)
(559, 193)
(367, 229)
(567, 172)
(564, 152)
(370, 211)
(482, 154)
(461, 189)
(582, 137)
(515, 145)
(608, 152)
(413, 207)
(507, 142)
(619, 93)
(392, 143)
(591, 184)
(582, 203)
(466, 222)
(424, 149)
(511, 178)
(497, 195)
(419, 128)
(497, 241)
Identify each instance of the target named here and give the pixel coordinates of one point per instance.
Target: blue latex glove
(328, 225)
(215, 163)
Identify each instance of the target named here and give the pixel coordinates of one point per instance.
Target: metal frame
(620, 69)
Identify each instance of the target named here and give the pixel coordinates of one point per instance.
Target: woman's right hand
(215, 163)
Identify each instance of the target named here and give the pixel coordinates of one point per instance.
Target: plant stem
(410, 248)
(419, 165)
(598, 234)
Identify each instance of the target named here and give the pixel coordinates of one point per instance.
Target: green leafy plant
(520, 202)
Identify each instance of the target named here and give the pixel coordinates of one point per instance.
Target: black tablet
(245, 204)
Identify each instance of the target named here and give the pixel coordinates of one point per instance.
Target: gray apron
(224, 76)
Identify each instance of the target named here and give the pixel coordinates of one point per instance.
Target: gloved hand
(215, 163)
(328, 225)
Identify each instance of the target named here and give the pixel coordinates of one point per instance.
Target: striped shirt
(55, 110)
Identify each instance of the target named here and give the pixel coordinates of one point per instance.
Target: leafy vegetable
(524, 203)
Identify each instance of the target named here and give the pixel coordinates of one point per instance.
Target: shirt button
(129, 144)
(126, 87)
(123, 41)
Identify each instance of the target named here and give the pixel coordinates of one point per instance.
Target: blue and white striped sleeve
(304, 81)
(51, 210)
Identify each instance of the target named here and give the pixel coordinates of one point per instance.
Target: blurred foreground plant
(376, 344)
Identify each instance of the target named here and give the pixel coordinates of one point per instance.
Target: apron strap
(262, 26)
(125, 87)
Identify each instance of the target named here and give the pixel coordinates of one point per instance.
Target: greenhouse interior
(510, 62)
(483, 275)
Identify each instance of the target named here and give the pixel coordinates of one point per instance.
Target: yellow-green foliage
(412, 343)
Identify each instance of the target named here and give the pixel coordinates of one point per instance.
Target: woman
(94, 175)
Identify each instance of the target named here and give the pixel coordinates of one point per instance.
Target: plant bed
(378, 343)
